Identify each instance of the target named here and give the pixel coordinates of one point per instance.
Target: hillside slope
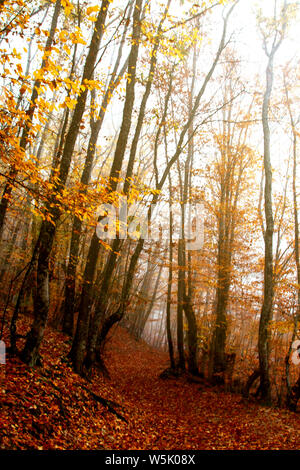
(52, 407)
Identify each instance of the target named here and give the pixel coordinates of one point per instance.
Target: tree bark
(293, 393)
(68, 318)
(79, 345)
(35, 336)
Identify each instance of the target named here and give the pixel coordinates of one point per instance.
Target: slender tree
(30, 353)
(268, 295)
(81, 335)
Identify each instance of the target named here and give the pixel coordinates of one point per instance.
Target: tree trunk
(267, 307)
(77, 352)
(169, 291)
(30, 352)
(293, 393)
(68, 318)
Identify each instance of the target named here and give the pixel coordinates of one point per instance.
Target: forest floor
(51, 407)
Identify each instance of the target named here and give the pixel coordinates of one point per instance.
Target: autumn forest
(149, 225)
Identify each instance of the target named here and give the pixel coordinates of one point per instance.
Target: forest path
(52, 407)
(176, 414)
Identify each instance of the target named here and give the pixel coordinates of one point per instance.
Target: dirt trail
(176, 414)
(51, 407)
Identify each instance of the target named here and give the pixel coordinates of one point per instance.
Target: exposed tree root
(109, 404)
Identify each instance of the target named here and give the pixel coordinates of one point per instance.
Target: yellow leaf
(67, 49)
(63, 35)
(92, 9)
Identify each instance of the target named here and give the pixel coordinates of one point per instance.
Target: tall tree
(30, 353)
(95, 125)
(234, 157)
(81, 334)
(270, 50)
(293, 393)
